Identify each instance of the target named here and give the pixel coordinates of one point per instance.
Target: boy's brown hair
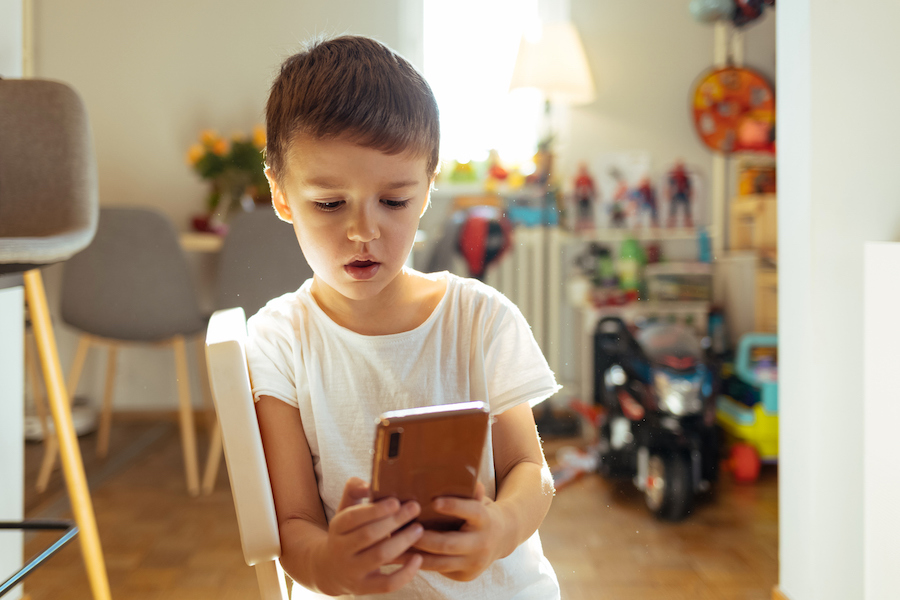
(355, 88)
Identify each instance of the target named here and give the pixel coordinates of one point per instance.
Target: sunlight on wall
(469, 51)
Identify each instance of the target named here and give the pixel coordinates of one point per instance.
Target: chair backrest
(260, 260)
(132, 282)
(48, 174)
(229, 377)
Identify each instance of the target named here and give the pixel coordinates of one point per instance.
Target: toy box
(679, 282)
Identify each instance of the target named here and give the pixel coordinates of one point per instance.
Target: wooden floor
(161, 544)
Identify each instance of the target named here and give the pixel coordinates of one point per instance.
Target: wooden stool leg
(213, 459)
(211, 420)
(84, 344)
(106, 413)
(186, 416)
(73, 468)
(37, 394)
(51, 448)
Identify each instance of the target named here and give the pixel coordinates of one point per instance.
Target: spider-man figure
(680, 194)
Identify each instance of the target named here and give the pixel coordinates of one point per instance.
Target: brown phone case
(425, 453)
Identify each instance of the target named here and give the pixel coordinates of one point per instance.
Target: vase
(228, 204)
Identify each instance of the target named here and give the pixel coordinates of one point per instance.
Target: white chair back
(226, 357)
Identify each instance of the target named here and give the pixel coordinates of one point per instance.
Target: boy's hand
(464, 555)
(360, 542)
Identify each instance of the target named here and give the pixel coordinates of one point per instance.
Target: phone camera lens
(394, 444)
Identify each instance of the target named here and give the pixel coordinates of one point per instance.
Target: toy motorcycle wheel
(669, 490)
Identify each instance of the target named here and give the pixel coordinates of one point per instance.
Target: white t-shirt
(476, 345)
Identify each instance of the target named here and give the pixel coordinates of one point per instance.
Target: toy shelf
(642, 234)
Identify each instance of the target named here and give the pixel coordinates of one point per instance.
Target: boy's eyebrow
(328, 184)
(400, 184)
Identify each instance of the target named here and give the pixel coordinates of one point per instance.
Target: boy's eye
(329, 205)
(395, 203)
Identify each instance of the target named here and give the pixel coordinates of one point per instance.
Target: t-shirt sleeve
(515, 367)
(270, 357)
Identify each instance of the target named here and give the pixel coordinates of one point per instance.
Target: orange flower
(220, 147)
(259, 136)
(194, 154)
(209, 137)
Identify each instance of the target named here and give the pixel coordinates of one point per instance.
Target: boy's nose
(362, 226)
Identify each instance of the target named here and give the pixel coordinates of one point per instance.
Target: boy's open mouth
(362, 269)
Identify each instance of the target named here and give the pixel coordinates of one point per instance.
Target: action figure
(680, 193)
(619, 199)
(543, 163)
(646, 201)
(585, 194)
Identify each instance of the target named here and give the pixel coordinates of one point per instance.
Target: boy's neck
(402, 306)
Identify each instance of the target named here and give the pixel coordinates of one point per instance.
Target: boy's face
(355, 211)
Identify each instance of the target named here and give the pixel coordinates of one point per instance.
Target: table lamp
(556, 65)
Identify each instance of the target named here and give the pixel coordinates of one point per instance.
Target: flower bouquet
(234, 169)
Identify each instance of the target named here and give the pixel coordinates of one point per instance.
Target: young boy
(352, 152)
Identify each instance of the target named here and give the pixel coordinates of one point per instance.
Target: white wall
(645, 56)
(838, 189)
(881, 545)
(11, 332)
(12, 457)
(153, 75)
(10, 38)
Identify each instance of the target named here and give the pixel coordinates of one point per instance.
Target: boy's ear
(279, 200)
(427, 198)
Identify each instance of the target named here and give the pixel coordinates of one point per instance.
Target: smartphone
(424, 453)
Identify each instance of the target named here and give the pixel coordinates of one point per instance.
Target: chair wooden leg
(186, 416)
(211, 420)
(37, 394)
(84, 344)
(213, 459)
(73, 468)
(214, 453)
(106, 413)
(51, 446)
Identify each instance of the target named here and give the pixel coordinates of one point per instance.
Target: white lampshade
(556, 65)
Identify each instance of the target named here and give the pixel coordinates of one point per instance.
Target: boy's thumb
(355, 491)
(479, 491)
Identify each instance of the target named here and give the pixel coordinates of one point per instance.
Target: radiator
(532, 274)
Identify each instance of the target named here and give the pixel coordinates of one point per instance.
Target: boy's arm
(495, 528)
(524, 484)
(342, 558)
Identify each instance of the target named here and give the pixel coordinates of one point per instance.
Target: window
(470, 49)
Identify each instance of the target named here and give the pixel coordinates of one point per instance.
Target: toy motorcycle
(659, 424)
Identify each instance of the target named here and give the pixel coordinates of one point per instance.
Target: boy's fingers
(479, 491)
(383, 584)
(471, 511)
(445, 543)
(357, 516)
(389, 549)
(355, 491)
(440, 563)
(376, 531)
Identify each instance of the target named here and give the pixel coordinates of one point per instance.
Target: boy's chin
(358, 290)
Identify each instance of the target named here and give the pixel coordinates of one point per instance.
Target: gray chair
(48, 212)
(260, 260)
(132, 285)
